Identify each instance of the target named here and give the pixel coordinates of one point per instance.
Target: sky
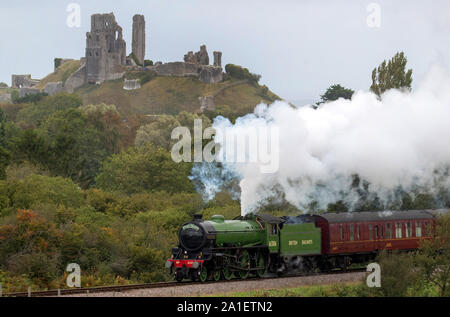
(299, 47)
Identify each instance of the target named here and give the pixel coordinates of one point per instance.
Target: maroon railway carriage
(357, 237)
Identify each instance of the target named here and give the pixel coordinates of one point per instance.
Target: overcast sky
(299, 47)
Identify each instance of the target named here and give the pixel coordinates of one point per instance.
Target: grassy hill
(61, 74)
(170, 95)
(165, 95)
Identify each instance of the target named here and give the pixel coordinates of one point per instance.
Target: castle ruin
(106, 59)
(138, 41)
(105, 49)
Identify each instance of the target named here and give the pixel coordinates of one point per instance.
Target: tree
(391, 74)
(397, 273)
(335, 92)
(35, 114)
(3, 85)
(144, 169)
(4, 154)
(159, 132)
(434, 257)
(75, 147)
(241, 73)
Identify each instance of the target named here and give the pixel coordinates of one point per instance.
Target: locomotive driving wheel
(227, 273)
(216, 275)
(261, 264)
(203, 274)
(244, 263)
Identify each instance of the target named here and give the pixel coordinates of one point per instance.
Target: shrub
(146, 77)
(35, 114)
(57, 62)
(241, 73)
(144, 169)
(37, 189)
(30, 98)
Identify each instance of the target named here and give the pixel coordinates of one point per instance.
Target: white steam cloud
(401, 141)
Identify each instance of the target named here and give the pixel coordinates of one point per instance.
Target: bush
(144, 169)
(57, 62)
(241, 73)
(148, 62)
(30, 98)
(45, 107)
(37, 189)
(397, 273)
(146, 77)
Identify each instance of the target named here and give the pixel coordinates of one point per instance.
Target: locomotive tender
(258, 243)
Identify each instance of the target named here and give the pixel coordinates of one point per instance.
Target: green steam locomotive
(253, 244)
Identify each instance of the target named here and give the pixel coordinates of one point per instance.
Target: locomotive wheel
(244, 263)
(179, 276)
(216, 275)
(203, 274)
(227, 273)
(261, 262)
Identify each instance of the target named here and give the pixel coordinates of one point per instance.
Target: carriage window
(341, 231)
(408, 230)
(358, 235)
(418, 229)
(389, 231)
(398, 230)
(370, 232)
(352, 233)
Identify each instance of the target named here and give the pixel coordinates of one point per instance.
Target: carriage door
(379, 236)
(273, 237)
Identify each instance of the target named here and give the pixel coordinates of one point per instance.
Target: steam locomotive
(260, 243)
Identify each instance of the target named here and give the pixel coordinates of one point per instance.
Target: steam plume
(401, 141)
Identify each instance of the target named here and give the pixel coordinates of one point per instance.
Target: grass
(61, 74)
(170, 95)
(331, 290)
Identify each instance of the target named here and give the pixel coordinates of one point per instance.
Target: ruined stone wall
(28, 91)
(53, 88)
(76, 80)
(105, 49)
(5, 98)
(138, 41)
(23, 81)
(131, 84)
(217, 58)
(176, 69)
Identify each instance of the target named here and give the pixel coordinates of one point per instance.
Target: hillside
(170, 95)
(61, 74)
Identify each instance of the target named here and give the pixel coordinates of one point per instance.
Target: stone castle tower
(105, 49)
(138, 41)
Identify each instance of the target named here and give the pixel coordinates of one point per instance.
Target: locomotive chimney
(198, 217)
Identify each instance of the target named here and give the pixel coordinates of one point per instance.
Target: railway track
(122, 288)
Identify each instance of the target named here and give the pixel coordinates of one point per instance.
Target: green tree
(434, 257)
(144, 169)
(391, 74)
(4, 153)
(75, 147)
(36, 113)
(159, 132)
(241, 73)
(335, 92)
(37, 189)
